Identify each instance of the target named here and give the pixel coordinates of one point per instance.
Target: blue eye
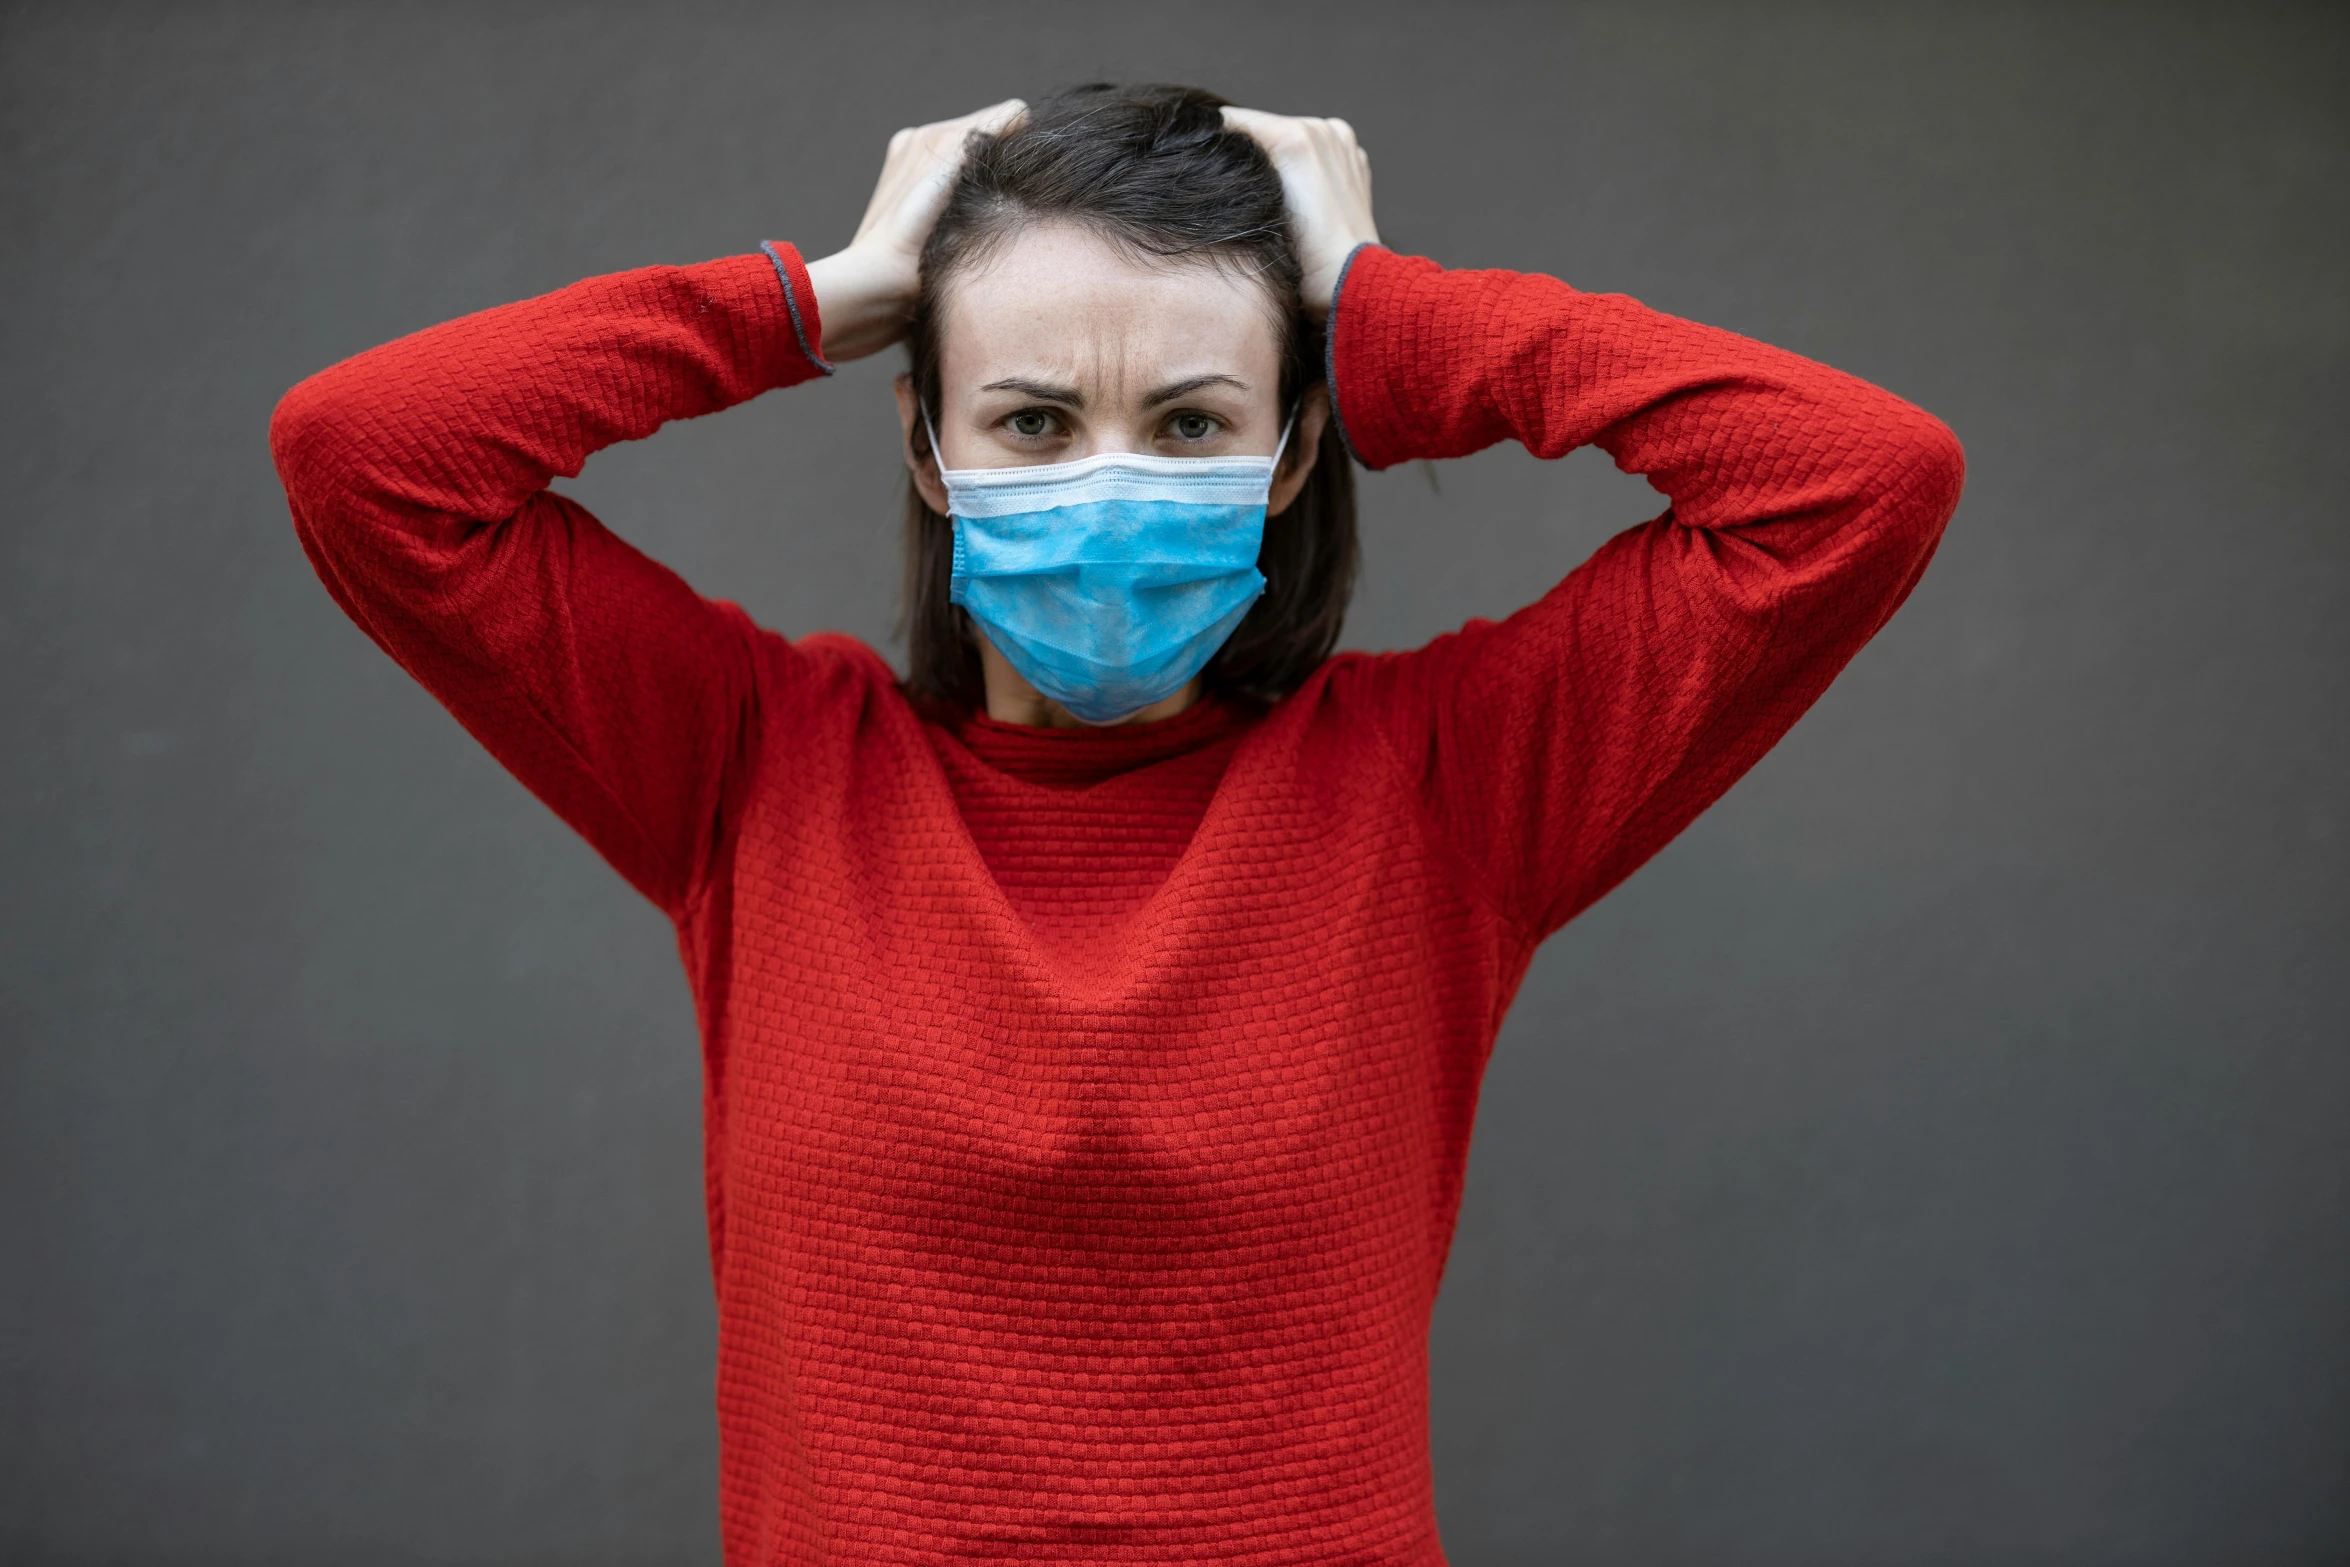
(1031, 422)
(1194, 427)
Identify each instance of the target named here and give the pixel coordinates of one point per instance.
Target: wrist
(863, 298)
(1399, 381)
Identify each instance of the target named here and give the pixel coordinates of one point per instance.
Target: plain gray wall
(1941, 1155)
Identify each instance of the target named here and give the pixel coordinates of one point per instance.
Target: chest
(1077, 865)
(1216, 983)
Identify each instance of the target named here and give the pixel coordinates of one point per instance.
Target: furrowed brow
(1067, 396)
(1168, 394)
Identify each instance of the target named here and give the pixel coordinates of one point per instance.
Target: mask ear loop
(1282, 445)
(931, 430)
(1273, 473)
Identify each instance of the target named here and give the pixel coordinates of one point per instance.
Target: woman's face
(1059, 346)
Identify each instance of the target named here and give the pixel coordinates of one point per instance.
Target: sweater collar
(1079, 758)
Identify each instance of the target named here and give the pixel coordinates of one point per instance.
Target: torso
(1088, 1115)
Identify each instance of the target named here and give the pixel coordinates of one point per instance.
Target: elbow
(303, 438)
(1933, 466)
(1940, 463)
(319, 439)
(1914, 484)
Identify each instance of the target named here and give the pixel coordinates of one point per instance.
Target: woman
(1093, 1019)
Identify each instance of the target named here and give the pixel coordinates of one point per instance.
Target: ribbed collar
(1080, 758)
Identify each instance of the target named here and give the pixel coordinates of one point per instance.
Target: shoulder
(1343, 708)
(825, 671)
(827, 711)
(846, 661)
(1376, 685)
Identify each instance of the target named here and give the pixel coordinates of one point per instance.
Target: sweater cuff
(799, 298)
(1388, 350)
(1330, 346)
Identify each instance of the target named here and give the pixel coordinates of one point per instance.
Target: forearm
(1430, 363)
(465, 421)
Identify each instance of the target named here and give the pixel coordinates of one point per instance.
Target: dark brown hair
(1154, 171)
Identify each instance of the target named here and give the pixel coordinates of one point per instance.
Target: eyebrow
(1070, 397)
(1168, 394)
(1043, 393)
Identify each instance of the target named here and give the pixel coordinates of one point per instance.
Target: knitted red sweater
(1086, 1112)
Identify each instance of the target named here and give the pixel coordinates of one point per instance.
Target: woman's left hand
(1326, 179)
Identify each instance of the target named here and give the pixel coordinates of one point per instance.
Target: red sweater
(1086, 1111)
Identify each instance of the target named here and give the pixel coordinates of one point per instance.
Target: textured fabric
(1086, 1113)
(1078, 856)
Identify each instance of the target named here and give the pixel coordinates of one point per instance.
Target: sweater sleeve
(1556, 751)
(417, 473)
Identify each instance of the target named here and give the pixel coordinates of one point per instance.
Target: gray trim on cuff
(1330, 350)
(791, 302)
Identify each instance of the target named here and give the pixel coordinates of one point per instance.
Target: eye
(1031, 423)
(1194, 427)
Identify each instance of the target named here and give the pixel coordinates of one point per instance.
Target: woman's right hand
(865, 292)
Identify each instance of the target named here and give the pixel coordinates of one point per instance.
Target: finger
(1263, 128)
(946, 142)
(990, 119)
(996, 118)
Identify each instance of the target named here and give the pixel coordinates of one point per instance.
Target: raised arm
(1555, 752)
(1559, 749)
(418, 476)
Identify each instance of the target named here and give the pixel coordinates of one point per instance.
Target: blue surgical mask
(1110, 581)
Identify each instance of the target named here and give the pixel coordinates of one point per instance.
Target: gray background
(1942, 1154)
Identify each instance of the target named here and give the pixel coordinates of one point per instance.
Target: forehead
(1054, 298)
